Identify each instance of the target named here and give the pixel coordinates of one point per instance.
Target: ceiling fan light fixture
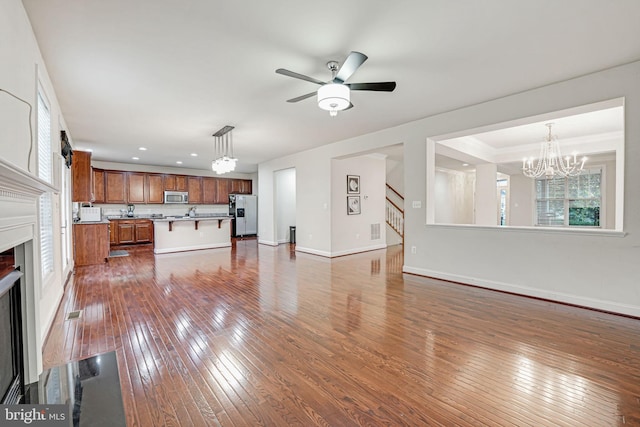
(334, 97)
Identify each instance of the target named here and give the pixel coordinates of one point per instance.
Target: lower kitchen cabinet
(131, 231)
(90, 243)
(144, 231)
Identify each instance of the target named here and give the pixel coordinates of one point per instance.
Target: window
(572, 201)
(45, 168)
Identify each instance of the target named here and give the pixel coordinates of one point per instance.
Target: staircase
(394, 214)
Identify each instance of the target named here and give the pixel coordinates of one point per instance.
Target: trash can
(292, 234)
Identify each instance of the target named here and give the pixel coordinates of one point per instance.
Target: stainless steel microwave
(176, 197)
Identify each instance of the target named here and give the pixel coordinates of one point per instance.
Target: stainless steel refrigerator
(244, 209)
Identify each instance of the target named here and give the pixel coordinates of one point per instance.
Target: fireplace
(22, 329)
(11, 358)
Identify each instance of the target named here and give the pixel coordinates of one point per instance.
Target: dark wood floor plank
(257, 335)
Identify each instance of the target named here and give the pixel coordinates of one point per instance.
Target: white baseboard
(341, 253)
(191, 248)
(313, 251)
(359, 250)
(267, 242)
(597, 304)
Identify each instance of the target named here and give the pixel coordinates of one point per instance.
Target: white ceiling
(165, 75)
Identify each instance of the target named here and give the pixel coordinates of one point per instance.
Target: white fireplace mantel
(19, 193)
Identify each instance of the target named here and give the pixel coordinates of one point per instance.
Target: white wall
(486, 196)
(21, 71)
(313, 188)
(352, 233)
(285, 203)
(599, 270)
(454, 197)
(521, 200)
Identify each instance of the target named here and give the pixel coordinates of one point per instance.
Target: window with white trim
(45, 169)
(570, 202)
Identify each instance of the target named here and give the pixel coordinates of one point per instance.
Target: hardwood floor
(256, 335)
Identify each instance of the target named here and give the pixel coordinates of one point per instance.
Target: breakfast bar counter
(178, 234)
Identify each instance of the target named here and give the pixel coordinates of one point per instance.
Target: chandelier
(223, 160)
(551, 163)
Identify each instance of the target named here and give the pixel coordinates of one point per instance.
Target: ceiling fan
(335, 95)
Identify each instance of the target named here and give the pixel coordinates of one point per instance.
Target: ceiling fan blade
(298, 76)
(379, 86)
(350, 65)
(300, 98)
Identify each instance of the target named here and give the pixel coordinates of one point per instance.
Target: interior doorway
(285, 205)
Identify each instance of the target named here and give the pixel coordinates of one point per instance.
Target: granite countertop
(199, 217)
(103, 221)
(152, 216)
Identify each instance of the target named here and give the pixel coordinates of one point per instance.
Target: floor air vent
(74, 315)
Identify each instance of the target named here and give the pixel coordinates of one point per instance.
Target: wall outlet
(416, 204)
(414, 249)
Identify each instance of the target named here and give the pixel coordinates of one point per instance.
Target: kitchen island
(178, 234)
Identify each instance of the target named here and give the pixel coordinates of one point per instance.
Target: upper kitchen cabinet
(98, 186)
(155, 189)
(175, 183)
(222, 191)
(181, 183)
(240, 186)
(194, 186)
(135, 187)
(81, 177)
(115, 186)
(208, 190)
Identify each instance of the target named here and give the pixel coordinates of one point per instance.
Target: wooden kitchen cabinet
(208, 190)
(181, 183)
(81, 177)
(131, 231)
(240, 186)
(115, 187)
(154, 188)
(144, 231)
(90, 243)
(98, 186)
(113, 233)
(135, 187)
(194, 187)
(123, 187)
(175, 182)
(222, 191)
(126, 231)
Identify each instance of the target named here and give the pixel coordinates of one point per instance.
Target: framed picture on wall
(353, 184)
(353, 205)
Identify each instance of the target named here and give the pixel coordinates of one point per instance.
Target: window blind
(572, 201)
(45, 168)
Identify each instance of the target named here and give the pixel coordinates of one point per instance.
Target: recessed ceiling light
(465, 164)
(142, 149)
(136, 158)
(194, 154)
(179, 162)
